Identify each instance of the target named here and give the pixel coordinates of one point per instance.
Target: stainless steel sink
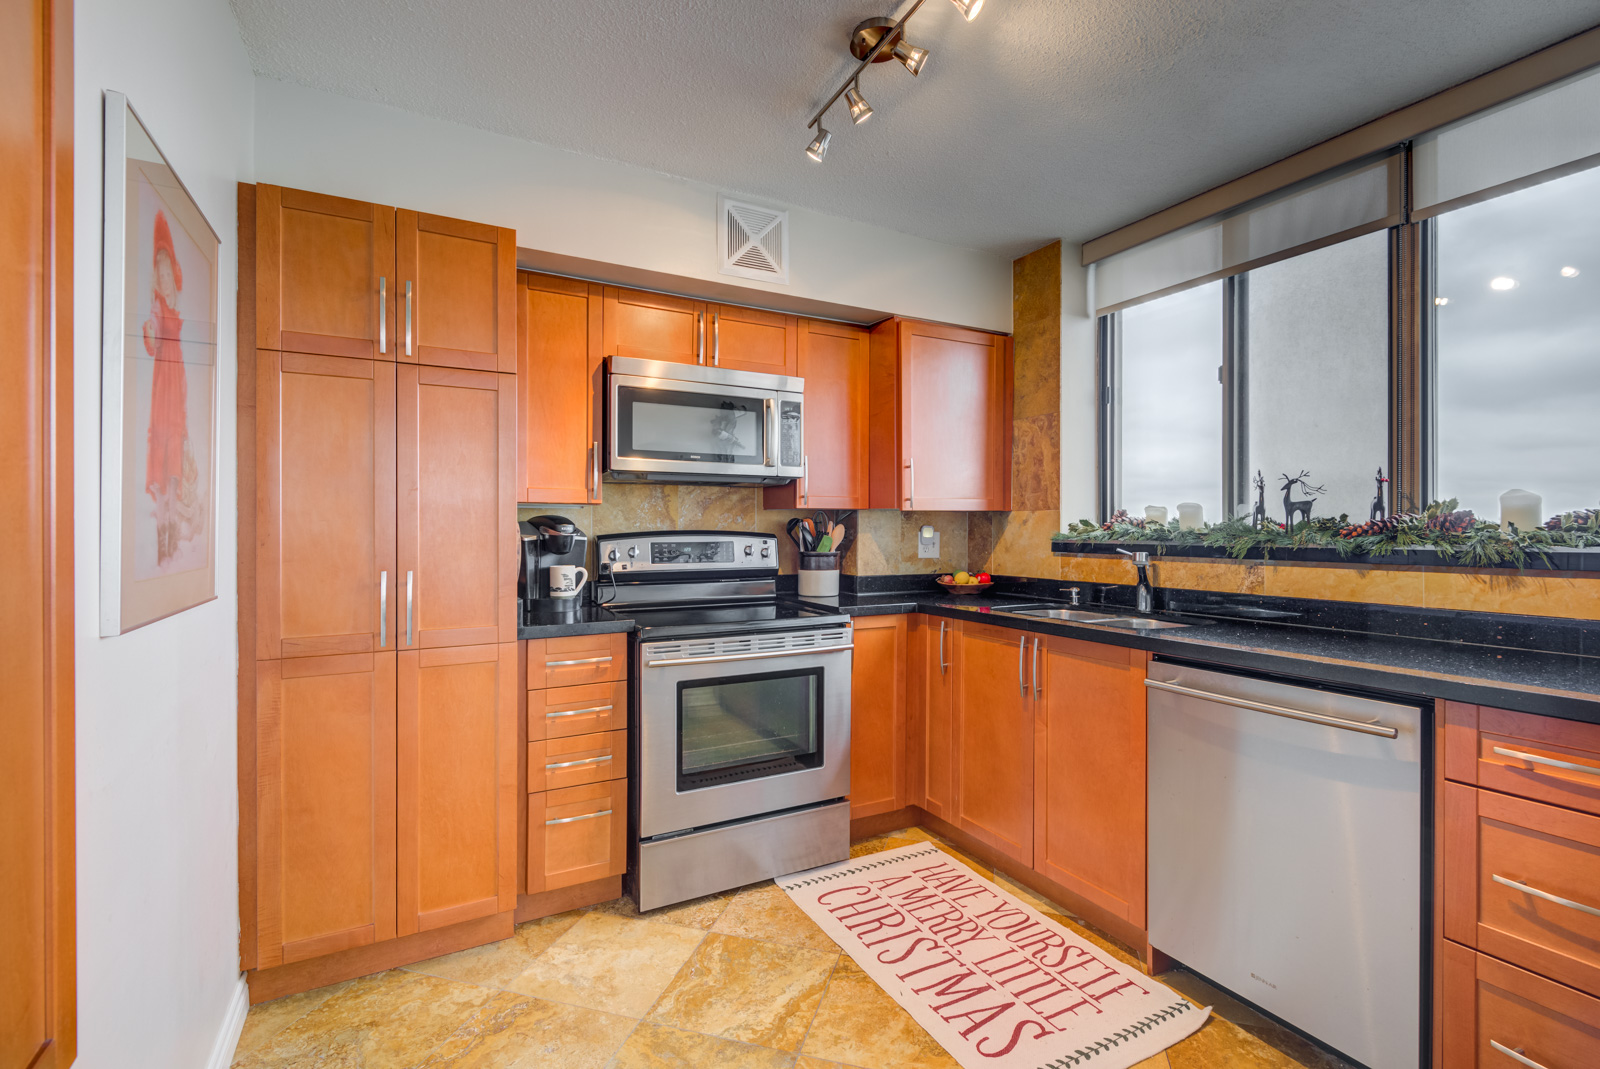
(1140, 623)
(1075, 615)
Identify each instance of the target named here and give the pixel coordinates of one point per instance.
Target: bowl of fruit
(966, 582)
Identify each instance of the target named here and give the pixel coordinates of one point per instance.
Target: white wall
(158, 961)
(1079, 401)
(595, 209)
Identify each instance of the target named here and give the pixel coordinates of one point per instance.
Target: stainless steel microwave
(688, 423)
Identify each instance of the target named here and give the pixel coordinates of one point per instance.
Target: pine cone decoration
(1387, 525)
(1458, 522)
(1121, 518)
(1578, 518)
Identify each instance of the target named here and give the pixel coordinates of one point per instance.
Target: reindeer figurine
(1379, 510)
(1290, 506)
(1258, 518)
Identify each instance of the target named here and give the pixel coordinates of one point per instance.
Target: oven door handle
(748, 656)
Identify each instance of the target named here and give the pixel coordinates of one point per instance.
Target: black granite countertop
(584, 618)
(1552, 684)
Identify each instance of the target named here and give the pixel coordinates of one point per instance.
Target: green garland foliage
(1457, 537)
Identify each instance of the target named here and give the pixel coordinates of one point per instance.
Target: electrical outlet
(928, 542)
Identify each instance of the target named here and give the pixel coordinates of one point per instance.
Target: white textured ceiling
(1042, 119)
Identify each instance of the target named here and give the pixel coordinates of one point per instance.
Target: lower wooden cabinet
(992, 748)
(878, 716)
(577, 835)
(573, 760)
(576, 661)
(1497, 1016)
(1089, 812)
(930, 700)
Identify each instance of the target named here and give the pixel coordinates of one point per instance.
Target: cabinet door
(930, 699)
(654, 326)
(325, 274)
(577, 835)
(325, 477)
(878, 716)
(1490, 1008)
(834, 361)
(749, 339)
(457, 569)
(993, 738)
(456, 785)
(955, 419)
(457, 298)
(561, 385)
(325, 832)
(1089, 820)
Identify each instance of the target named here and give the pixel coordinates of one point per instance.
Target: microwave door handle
(770, 406)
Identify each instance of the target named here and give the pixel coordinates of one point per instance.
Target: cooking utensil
(837, 533)
(797, 534)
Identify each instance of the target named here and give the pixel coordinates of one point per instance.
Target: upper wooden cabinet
(749, 339)
(992, 748)
(561, 387)
(341, 277)
(1089, 772)
(457, 292)
(834, 360)
(878, 716)
(653, 326)
(325, 274)
(940, 417)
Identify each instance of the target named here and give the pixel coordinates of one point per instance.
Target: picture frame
(159, 385)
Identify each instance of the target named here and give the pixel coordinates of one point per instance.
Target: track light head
(819, 145)
(910, 55)
(969, 8)
(860, 110)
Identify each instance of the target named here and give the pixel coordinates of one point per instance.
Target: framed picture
(158, 444)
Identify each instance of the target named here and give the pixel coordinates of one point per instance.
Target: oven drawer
(1539, 757)
(1522, 882)
(576, 835)
(575, 661)
(576, 760)
(1494, 1014)
(554, 714)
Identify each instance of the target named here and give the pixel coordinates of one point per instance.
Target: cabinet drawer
(576, 760)
(1539, 757)
(555, 714)
(577, 835)
(1522, 882)
(573, 662)
(1491, 1008)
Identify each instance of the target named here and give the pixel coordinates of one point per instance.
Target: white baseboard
(232, 1027)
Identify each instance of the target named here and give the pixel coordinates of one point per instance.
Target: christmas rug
(994, 981)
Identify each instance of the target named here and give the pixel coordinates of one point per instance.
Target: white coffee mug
(566, 580)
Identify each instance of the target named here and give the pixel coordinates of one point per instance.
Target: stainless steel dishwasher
(1286, 853)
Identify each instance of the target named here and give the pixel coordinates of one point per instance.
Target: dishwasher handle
(1381, 730)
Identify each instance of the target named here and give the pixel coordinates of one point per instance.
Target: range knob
(766, 550)
(633, 551)
(749, 550)
(612, 554)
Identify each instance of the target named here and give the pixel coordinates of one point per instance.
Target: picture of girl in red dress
(170, 473)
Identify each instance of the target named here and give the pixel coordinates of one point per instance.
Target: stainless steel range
(741, 715)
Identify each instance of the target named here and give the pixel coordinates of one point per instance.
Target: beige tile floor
(742, 980)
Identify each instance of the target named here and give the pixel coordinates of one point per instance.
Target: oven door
(660, 427)
(741, 726)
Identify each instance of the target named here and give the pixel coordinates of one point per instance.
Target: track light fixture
(877, 41)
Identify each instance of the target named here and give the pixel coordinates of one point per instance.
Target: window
(1516, 347)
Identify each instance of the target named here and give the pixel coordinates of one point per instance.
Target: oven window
(748, 727)
(676, 425)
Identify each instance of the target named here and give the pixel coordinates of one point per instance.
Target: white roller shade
(1538, 136)
(1351, 203)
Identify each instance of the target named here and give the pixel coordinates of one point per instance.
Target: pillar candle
(1155, 514)
(1520, 507)
(1191, 515)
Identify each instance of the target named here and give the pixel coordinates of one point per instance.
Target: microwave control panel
(679, 551)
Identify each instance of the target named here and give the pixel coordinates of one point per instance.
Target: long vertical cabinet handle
(408, 608)
(383, 609)
(699, 337)
(383, 314)
(716, 339)
(594, 472)
(942, 663)
(1038, 688)
(408, 317)
(1022, 660)
(911, 466)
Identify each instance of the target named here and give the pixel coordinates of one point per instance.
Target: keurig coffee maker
(548, 541)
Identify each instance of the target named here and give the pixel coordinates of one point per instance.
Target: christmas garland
(1457, 536)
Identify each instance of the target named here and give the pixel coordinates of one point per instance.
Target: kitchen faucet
(1145, 596)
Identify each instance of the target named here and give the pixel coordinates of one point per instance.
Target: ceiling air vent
(753, 241)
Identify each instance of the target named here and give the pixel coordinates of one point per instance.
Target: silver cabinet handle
(1022, 657)
(408, 608)
(911, 466)
(580, 712)
(716, 340)
(383, 609)
(584, 761)
(1516, 1054)
(805, 481)
(699, 337)
(769, 406)
(1592, 770)
(383, 314)
(1038, 688)
(585, 816)
(747, 656)
(1546, 895)
(580, 660)
(408, 317)
(942, 664)
(1277, 710)
(594, 470)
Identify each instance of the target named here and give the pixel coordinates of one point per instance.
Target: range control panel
(680, 551)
